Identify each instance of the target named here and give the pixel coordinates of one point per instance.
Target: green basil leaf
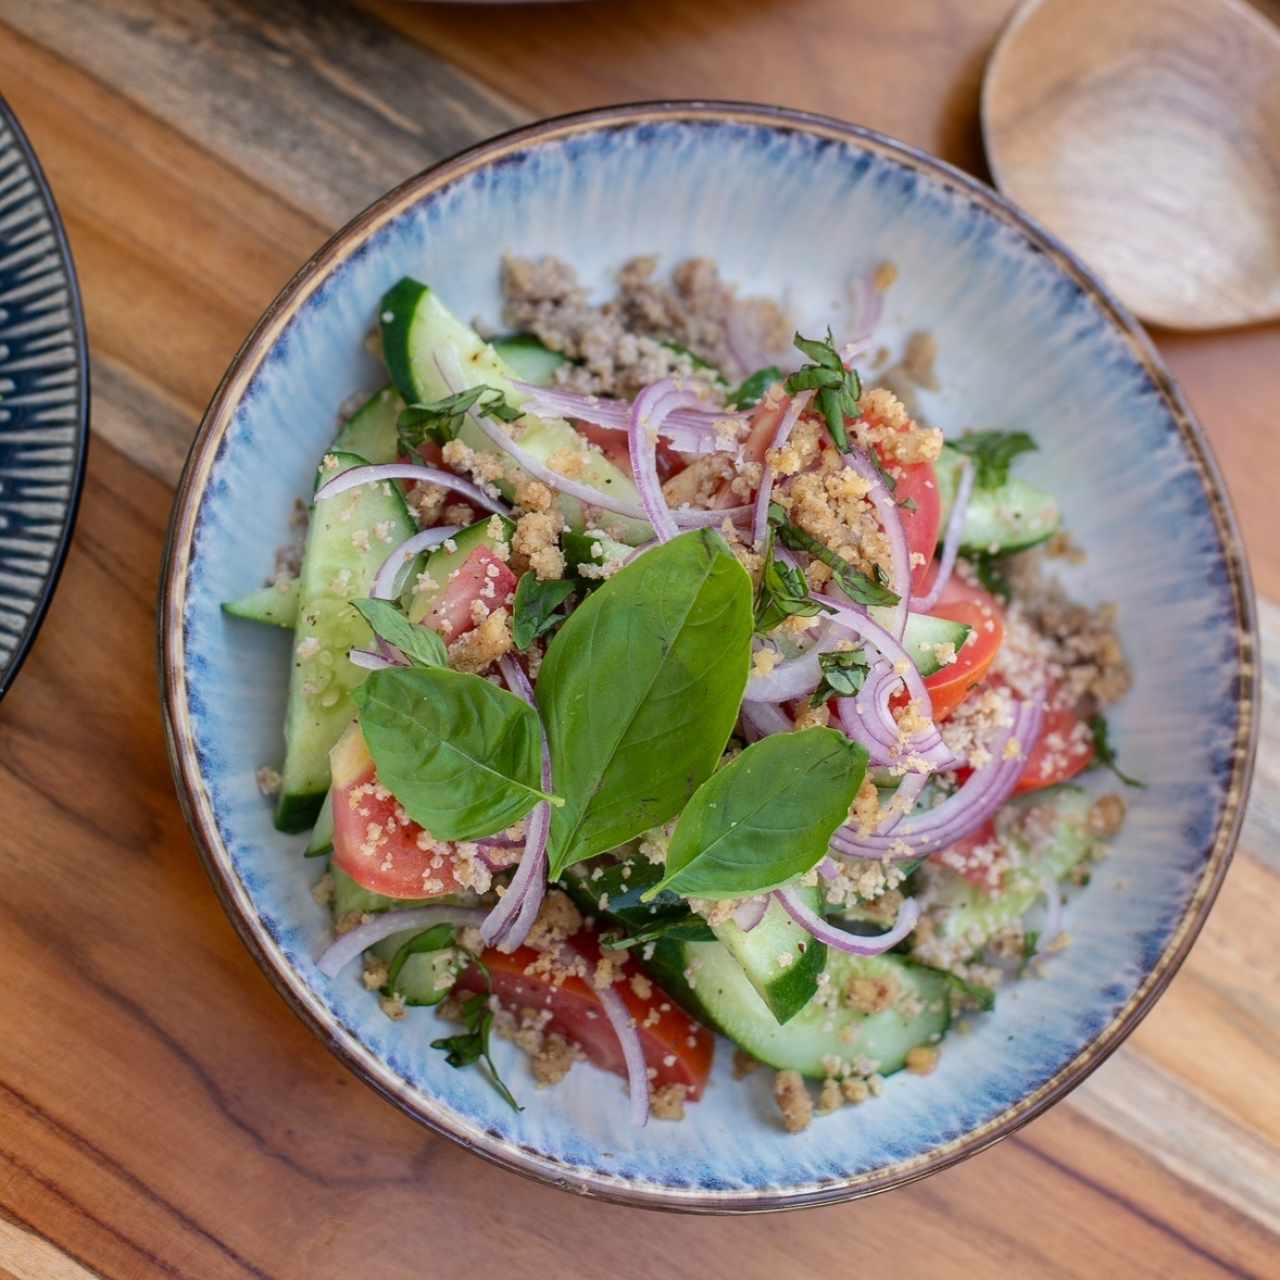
(463, 756)
(685, 928)
(441, 420)
(1104, 752)
(535, 606)
(752, 390)
(419, 644)
(640, 690)
(843, 675)
(992, 452)
(991, 574)
(822, 353)
(855, 584)
(814, 378)
(766, 817)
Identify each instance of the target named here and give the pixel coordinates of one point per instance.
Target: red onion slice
(692, 430)
(652, 406)
(371, 661)
(796, 677)
(891, 522)
(339, 953)
(632, 1053)
(951, 548)
(409, 471)
(750, 913)
(760, 523)
(760, 719)
(852, 943)
(384, 585)
(447, 363)
(508, 924)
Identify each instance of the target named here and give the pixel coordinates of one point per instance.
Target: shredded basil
(441, 420)
(838, 389)
(535, 607)
(855, 584)
(472, 1045)
(1104, 753)
(783, 591)
(843, 675)
(752, 390)
(422, 646)
(992, 452)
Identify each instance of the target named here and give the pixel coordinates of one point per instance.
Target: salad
(656, 675)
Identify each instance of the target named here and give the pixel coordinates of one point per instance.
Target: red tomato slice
(962, 601)
(1064, 749)
(918, 485)
(971, 858)
(372, 841)
(613, 444)
(482, 577)
(676, 1048)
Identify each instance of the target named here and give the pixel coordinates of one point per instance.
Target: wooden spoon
(1146, 133)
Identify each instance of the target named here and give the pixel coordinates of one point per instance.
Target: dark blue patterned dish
(44, 396)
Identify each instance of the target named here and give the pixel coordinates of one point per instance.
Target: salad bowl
(794, 206)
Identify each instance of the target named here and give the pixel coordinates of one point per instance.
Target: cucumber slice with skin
(923, 634)
(443, 563)
(424, 977)
(348, 896)
(528, 359)
(277, 606)
(962, 912)
(415, 325)
(1011, 518)
(349, 538)
(371, 430)
(781, 960)
(712, 985)
(321, 841)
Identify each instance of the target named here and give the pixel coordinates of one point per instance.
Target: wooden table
(161, 1111)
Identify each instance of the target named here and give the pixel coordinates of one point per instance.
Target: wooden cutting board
(161, 1111)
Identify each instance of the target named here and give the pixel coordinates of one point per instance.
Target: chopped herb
(856, 585)
(751, 392)
(909, 504)
(843, 675)
(441, 420)
(992, 452)
(1103, 751)
(838, 389)
(472, 1046)
(536, 603)
(783, 591)
(890, 481)
(988, 566)
(422, 646)
(686, 928)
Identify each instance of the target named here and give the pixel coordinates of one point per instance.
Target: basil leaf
(441, 420)
(843, 675)
(752, 390)
(419, 644)
(988, 568)
(640, 690)
(855, 584)
(992, 452)
(685, 928)
(766, 817)
(1105, 753)
(839, 389)
(823, 354)
(462, 756)
(783, 592)
(473, 1045)
(535, 607)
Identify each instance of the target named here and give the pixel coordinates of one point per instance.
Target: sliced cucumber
(321, 841)
(422, 974)
(590, 548)
(924, 634)
(1011, 518)
(442, 563)
(827, 1031)
(371, 430)
(277, 605)
(348, 896)
(528, 359)
(964, 913)
(781, 960)
(416, 325)
(348, 539)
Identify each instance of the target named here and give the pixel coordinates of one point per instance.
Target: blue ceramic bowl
(792, 205)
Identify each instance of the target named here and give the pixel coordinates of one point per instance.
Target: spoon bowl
(1147, 135)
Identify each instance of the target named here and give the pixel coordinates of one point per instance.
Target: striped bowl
(791, 205)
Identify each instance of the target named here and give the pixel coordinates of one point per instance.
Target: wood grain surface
(161, 1112)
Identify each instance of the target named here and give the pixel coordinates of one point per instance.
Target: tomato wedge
(372, 842)
(483, 577)
(920, 510)
(1064, 749)
(677, 1049)
(962, 601)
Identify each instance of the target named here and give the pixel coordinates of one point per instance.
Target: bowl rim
(235, 899)
(80, 338)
